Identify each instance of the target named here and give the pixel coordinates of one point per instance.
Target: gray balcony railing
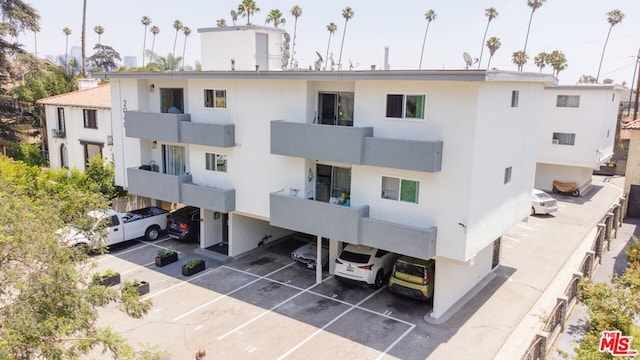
(154, 126)
(156, 185)
(220, 135)
(221, 200)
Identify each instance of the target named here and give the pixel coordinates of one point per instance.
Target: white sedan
(364, 265)
(542, 203)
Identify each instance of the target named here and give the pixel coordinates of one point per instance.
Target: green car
(413, 277)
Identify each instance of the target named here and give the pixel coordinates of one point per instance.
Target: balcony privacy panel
(155, 185)
(220, 135)
(403, 154)
(221, 200)
(154, 126)
(401, 239)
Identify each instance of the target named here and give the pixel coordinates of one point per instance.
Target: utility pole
(635, 106)
(633, 78)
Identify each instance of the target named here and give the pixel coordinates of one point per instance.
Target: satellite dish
(319, 57)
(234, 16)
(467, 59)
(287, 37)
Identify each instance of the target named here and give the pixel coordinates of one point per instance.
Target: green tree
(587, 79)
(493, 44)
(558, 62)
(347, 14)
(275, 16)
(155, 31)
(66, 32)
(98, 30)
(296, 12)
(519, 58)
(247, 8)
(430, 16)
(48, 304)
(221, 23)
(186, 31)
(331, 28)
(614, 17)
(541, 60)
(534, 5)
(491, 13)
(163, 63)
(146, 21)
(104, 58)
(177, 25)
(27, 153)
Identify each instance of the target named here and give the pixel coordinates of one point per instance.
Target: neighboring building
(576, 133)
(130, 61)
(274, 152)
(78, 127)
(632, 175)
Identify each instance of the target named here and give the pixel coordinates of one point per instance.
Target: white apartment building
(78, 127)
(576, 133)
(432, 164)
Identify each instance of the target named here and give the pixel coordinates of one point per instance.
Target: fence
(607, 229)
(131, 202)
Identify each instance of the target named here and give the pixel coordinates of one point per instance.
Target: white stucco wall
(247, 231)
(547, 173)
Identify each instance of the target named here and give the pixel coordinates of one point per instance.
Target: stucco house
(77, 126)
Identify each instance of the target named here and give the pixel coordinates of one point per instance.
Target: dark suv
(184, 224)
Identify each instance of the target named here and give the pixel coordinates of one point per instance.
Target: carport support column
(319, 260)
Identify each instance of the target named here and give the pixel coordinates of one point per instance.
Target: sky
(578, 28)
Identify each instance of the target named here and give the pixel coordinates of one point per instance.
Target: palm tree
(247, 8)
(296, 12)
(491, 13)
(66, 32)
(519, 58)
(84, 37)
(558, 62)
(347, 14)
(430, 16)
(493, 44)
(614, 17)
(534, 5)
(221, 22)
(99, 30)
(275, 15)
(178, 26)
(155, 31)
(332, 29)
(541, 60)
(186, 31)
(146, 21)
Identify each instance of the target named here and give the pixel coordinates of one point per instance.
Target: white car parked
(542, 203)
(364, 265)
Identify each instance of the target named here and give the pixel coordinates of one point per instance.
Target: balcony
(220, 200)
(58, 133)
(398, 238)
(220, 135)
(156, 185)
(321, 142)
(317, 217)
(154, 126)
(353, 145)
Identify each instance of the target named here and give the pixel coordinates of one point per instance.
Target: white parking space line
(230, 292)
(520, 225)
(143, 245)
(138, 267)
(327, 325)
(180, 283)
(395, 342)
(510, 238)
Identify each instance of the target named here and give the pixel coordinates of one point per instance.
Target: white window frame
(403, 115)
(214, 105)
(568, 101)
(212, 159)
(563, 138)
(398, 192)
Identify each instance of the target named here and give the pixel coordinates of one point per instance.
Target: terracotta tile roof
(628, 125)
(99, 97)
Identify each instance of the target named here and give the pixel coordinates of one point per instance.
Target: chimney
(386, 58)
(84, 84)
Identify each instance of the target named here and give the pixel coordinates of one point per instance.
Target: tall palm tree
(99, 30)
(430, 16)
(296, 12)
(247, 8)
(534, 5)
(519, 58)
(146, 21)
(155, 31)
(332, 29)
(558, 62)
(66, 32)
(84, 38)
(177, 24)
(221, 22)
(347, 14)
(614, 17)
(275, 15)
(491, 13)
(541, 60)
(186, 31)
(493, 44)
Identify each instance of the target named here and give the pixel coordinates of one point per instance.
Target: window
(400, 189)
(564, 139)
(568, 101)
(172, 99)
(90, 118)
(216, 162)
(174, 160)
(405, 106)
(215, 98)
(507, 175)
(64, 157)
(61, 124)
(515, 96)
(91, 149)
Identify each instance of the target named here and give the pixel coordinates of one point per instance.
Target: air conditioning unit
(555, 141)
(109, 140)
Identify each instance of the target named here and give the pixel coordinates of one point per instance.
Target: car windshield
(355, 257)
(409, 269)
(543, 196)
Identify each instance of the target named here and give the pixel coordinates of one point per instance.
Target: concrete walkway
(539, 257)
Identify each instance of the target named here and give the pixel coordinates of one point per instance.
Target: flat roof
(403, 75)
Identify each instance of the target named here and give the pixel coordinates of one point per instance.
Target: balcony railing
(59, 133)
(221, 200)
(156, 185)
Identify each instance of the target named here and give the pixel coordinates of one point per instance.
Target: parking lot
(264, 306)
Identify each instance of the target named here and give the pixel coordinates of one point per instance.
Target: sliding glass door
(173, 159)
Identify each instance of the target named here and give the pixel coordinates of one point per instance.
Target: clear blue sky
(576, 27)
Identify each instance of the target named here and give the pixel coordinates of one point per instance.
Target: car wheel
(555, 190)
(575, 193)
(152, 233)
(82, 248)
(379, 280)
(533, 211)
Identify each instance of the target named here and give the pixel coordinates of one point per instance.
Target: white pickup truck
(120, 227)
